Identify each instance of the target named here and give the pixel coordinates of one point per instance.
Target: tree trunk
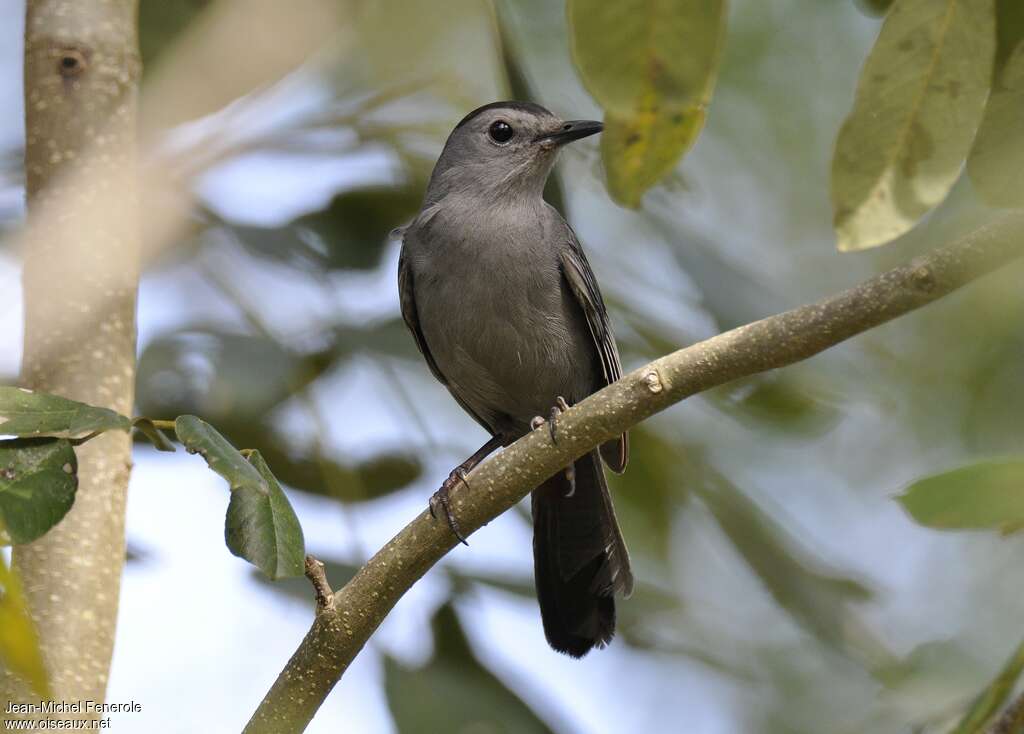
(80, 277)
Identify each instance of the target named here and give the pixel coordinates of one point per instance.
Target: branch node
(317, 577)
(923, 278)
(653, 381)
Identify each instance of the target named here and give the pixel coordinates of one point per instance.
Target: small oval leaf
(261, 525)
(919, 101)
(199, 437)
(263, 528)
(987, 495)
(38, 480)
(27, 413)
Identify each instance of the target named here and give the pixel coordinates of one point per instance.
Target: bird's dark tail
(580, 559)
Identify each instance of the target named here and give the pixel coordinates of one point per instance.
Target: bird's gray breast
(495, 313)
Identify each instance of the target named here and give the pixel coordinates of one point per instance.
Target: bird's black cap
(507, 105)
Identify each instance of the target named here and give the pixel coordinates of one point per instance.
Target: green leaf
(19, 644)
(990, 700)
(986, 495)
(38, 479)
(997, 159)
(919, 101)
(652, 67)
(454, 692)
(27, 413)
(155, 435)
(261, 526)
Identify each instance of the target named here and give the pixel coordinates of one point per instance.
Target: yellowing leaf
(651, 66)
(628, 49)
(918, 105)
(19, 645)
(642, 149)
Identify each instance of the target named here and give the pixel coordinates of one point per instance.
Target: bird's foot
(570, 475)
(557, 409)
(440, 498)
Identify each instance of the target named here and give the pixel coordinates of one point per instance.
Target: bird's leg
(458, 474)
(557, 409)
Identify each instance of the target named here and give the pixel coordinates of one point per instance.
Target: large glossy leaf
(986, 495)
(997, 159)
(261, 526)
(27, 413)
(651, 66)
(454, 692)
(19, 644)
(919, 101)
(38, 480)
(990, 700)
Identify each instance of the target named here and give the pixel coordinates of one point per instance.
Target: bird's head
(504, 148)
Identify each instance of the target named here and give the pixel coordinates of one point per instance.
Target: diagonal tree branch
(341, 629)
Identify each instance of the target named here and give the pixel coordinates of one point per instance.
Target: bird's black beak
(570, 131)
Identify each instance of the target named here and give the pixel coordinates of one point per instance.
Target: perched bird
(504, 307)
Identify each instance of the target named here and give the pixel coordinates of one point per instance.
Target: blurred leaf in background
(652, 67)
(987, 495)
(453, 691)
(19, 644)
(997, 157)
(919, 102)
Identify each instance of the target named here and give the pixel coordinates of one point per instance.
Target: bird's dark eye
(500, 131)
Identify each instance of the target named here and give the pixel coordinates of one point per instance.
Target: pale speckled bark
(340, 631)
(81, 258)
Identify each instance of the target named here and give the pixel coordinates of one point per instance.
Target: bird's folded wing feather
(584, 287)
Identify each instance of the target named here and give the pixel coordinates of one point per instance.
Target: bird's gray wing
(583, 286)
(407, 301)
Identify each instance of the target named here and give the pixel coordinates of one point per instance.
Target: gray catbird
(504, 307)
